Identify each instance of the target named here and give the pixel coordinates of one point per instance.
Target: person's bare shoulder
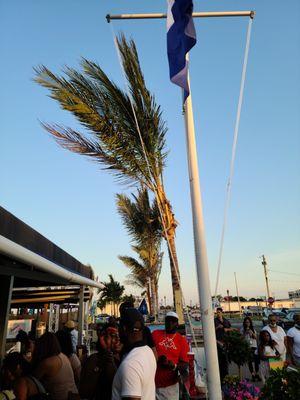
(48, 367)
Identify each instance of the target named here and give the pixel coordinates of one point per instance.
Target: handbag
(89, 378)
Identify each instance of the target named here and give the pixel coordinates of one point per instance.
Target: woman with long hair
(53, 367)
(266, 351)
(65, 341)
(250, 336)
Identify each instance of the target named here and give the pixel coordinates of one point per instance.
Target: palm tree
(142, 221)
(111, 292)
(116, 137)
(145, 274)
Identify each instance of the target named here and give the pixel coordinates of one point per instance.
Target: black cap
(132, 319)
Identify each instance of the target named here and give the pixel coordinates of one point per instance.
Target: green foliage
(238, 348)
(111, 292)
(111, 135)
(114, 136)
(219, 297)
(141, 219)
(231, 380)
(128, 298)
(283, 384)
(241, 298)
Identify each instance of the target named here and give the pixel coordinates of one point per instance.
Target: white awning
(20, 253)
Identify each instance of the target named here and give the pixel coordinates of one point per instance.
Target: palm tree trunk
(153, 299)
(149, 298)
(240, 372)
(170, 225)
(175, 276)
(156, 298)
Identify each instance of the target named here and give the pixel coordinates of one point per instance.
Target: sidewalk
(233, 370)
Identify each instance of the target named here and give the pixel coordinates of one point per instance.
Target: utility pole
(228, 299)
(237, 293)
(264, 263)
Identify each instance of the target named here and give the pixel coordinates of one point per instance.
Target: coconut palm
(145, 274)
(111, 292)
(142, 221)
(115, 136)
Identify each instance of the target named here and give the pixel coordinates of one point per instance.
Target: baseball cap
(172, 314)
(132, 319)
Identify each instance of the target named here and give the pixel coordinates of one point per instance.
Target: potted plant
(238, 349)
(234, 389)
(283, 384)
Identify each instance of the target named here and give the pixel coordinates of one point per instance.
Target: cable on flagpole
(233, 153)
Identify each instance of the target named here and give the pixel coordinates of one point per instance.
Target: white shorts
(168, 393)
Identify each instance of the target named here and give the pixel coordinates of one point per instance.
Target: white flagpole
(207, 314)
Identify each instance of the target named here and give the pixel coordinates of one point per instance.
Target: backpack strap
(38, 384)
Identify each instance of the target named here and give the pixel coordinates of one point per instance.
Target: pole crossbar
(208, 14)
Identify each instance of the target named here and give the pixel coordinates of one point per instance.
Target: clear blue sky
(70, 201)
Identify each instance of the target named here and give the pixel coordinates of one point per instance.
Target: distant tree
(128, 298)
(101, 303)
(111, 292)
(145, 273)
(253, 299)
(140, 216)
(219, 297)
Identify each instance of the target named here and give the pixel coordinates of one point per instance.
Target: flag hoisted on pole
(181, 37)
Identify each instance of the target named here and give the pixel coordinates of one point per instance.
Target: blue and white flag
(181, 37)
(143, 309)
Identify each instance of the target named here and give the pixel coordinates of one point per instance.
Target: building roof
(43, 262)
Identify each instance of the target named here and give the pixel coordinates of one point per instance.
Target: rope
(233, 153)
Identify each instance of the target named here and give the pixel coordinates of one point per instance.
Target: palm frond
(105, 111)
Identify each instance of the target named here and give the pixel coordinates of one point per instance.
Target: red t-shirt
(175, 347)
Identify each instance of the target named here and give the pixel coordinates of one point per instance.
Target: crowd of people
(129, 362)
(271, 344)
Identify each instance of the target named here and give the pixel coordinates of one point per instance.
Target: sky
(71, 201)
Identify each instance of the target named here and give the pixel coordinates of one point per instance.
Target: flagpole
(210, 344)
(207, 314)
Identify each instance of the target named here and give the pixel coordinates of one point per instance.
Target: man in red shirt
(172, 350)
